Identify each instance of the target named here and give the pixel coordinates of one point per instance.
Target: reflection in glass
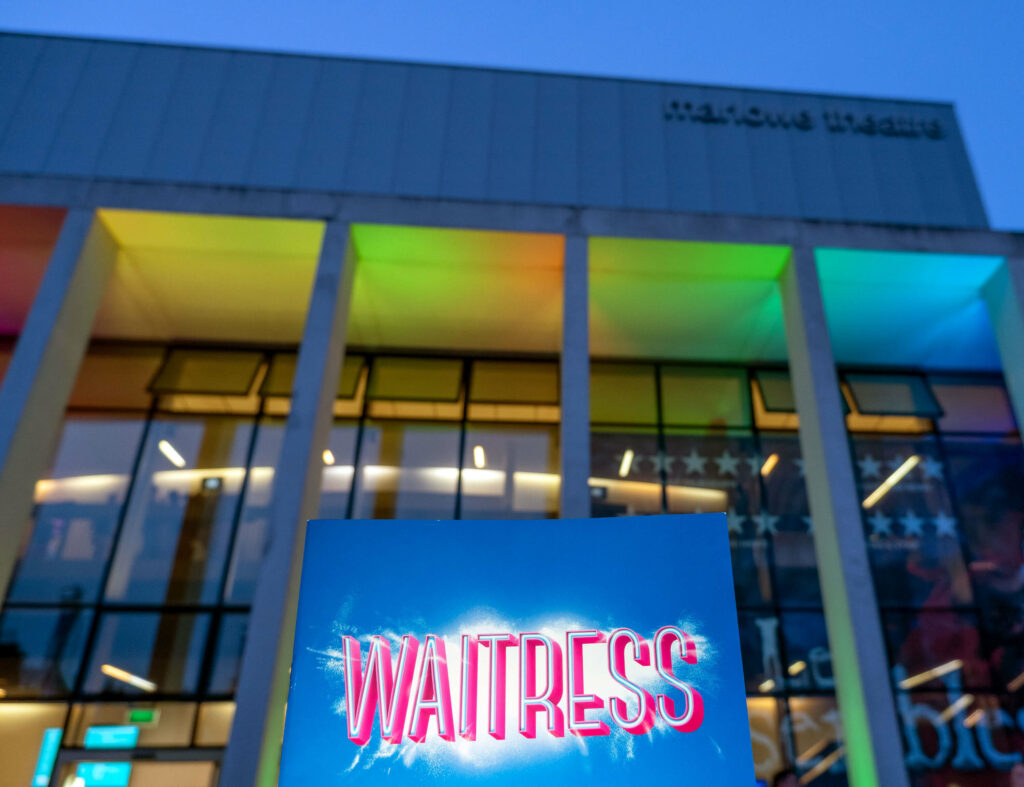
(175, 537)
(913, 533)
(228, 659)
(817, 740)
(772, 753)
(168, 724)
(624, 469)
(336, 478)
(40, 650)
(147, 653)
(935, 649)
(510, 472)
(23, 726)
(407, 471)
(77, 509)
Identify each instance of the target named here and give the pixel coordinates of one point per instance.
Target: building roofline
(469, 67)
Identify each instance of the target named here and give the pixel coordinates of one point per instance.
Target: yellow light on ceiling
(891, 481)
(479, 457)
(769, 465)
(797, 667)
(956, 707)
(328, 457)
(932, 674)
(767, 686)
(126, 677)
(627, 462)
(171, 453)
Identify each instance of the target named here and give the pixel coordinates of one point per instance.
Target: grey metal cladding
(142, 112)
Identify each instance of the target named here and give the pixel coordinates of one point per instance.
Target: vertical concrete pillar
(874, 753)
(575, 430)
(1004, 295)
(43, 369)
(253, 753)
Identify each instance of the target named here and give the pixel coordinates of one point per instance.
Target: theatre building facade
(240, 290)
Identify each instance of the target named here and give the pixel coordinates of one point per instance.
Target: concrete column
(253, 753)
(43, 369)
(575, 430)
(874, 753)
(1004, 295)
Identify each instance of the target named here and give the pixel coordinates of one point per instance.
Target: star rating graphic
(912, 524)
(869, 466)
(727, 463)
(881, 525)
(735, 521)
(694, 462)
(765, 523)
(754, 462)
(945, 525)
(931, 467)
(800, 465)
(662, 462)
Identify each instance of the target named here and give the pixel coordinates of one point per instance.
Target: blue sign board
(47, 756)
(104, 774)
(122, 736)
(463, 652)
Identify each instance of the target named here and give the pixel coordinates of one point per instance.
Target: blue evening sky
(966, 52)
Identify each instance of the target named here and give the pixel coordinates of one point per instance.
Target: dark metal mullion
(360, 429)
(466, 367)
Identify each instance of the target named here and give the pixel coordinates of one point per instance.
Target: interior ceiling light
(769, 465)
(627, 462)
(126, 677)
(479, 457)
(932, 674)
(328, 457)
(891, 481)
(171, 453)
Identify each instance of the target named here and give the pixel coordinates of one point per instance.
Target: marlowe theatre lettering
(389, 687)
(837, 122)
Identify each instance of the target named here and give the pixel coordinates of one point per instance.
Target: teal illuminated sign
(113, 737)
(104, 774)
(47, 756)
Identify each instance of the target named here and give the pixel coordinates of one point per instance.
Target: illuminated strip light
(821, 767)
(932, 674)
(956, 707)
(126, 677)
(797, 667)
(891, 481)
(769, 465)
(813, 751)
(479, 457)
(328, 456)
(1016, 683)
(767, 686)
(627, 462)
(171, 453)
(974, 718)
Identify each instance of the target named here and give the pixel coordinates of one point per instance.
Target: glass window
(161, 724)
(623, 394)
(407, 471)
(336, 479)
(716, 398)
(772, 751)
(932, 650)
(136, 773)
(510, 472)
(523, 382)
(226, 372)
(913, 533)
(141, 653)
(116, 377)
(280, 378)
(973, 406)
(228, 657)
(178, 523)
(817, 741)
(213, 726)
(759, 647)
(28, 731)
(808, 662)
(776, 391)
(785, 499)
(416, 379)
(78, 506)
(625, 467)
(40, 650)
(987, 476)
(254, 521)
(892, 394)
